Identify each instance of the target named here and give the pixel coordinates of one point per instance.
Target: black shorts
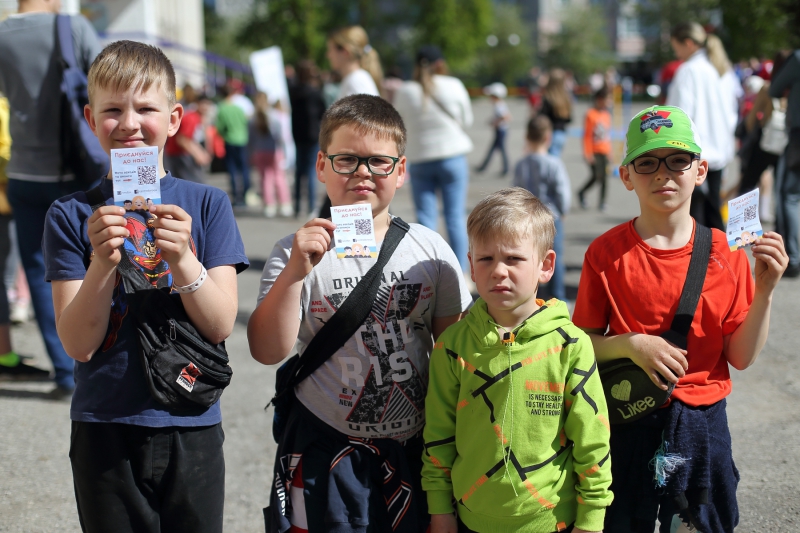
(140, 479)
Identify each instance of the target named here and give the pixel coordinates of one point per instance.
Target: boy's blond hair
(123, 65)
(368, 115)
(512, 214)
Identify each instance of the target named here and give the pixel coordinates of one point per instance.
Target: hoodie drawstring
(508, 340)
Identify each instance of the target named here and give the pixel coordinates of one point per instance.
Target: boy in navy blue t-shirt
(137, 466)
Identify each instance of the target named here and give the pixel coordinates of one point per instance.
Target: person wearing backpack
(787, 183)
(766, 121)
(36, 173)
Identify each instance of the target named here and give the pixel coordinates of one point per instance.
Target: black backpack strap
(64, 41)
(353, 311)
(692, 288)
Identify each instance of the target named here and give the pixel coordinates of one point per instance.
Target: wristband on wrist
(186, 289)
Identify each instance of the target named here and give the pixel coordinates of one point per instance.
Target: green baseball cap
(660, 127)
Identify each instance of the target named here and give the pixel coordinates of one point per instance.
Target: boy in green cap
(630, 285)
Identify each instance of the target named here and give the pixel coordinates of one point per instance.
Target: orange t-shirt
(597, 132)
(629, 286)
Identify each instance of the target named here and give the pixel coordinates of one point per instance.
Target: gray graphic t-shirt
(375, 385)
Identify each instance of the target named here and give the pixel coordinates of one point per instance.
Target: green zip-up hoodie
(525, 450)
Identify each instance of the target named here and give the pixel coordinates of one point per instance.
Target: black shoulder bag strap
(692, 288)
(352, 313)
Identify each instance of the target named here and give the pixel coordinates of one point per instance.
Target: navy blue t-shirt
(111, 387)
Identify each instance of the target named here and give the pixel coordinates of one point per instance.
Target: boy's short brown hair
(538, 129)
(511, 214)
(368, 115)
(123, 65)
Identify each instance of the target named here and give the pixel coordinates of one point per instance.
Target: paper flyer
(354, 237)
(135, 175)
(744, 225)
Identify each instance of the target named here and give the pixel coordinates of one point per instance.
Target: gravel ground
(764, 411)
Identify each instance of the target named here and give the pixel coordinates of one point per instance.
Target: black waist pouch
(182, 369)
(630, 393)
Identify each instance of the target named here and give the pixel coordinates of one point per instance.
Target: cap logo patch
(679, 144)
(654, 120)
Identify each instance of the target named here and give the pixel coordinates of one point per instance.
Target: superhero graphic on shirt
(393, 390)
(141, 259)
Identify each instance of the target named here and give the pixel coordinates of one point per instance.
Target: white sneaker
(287, 210)
(20, 313)
(270, 211)
(252, 199)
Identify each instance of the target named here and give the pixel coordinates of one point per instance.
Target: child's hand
(444, 523)
(771, 261)
(107, 231)
(659, 358)
(309, 246)
(589, 160)
(173, 231)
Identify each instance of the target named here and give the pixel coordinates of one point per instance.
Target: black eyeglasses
(380, 165)
(649, 164)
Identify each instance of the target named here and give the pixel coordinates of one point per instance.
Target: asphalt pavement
(764, 409)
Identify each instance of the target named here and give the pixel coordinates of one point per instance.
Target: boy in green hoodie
(517, 428)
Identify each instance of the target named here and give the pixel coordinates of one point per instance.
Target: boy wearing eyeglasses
(631, 282)
(355, 431)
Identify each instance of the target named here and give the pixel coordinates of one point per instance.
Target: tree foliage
(220, 35)
(458, 27)
(505, 62)
(759, 28)
(747, 27)
(300, 27)
(582, 45)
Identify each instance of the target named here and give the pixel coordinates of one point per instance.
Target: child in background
(185, 154)
(500, 120)
(597, 145)
(232, 126)
(11, 365)
(631, 281)
(546, 177)
(365, 404)
(265, 146)
(517, 427)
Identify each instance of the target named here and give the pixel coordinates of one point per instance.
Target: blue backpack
(81, 153)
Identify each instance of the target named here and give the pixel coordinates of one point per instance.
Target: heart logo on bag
(622, 390)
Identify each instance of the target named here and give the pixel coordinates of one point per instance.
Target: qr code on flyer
(750, 213)
(147, 175)
(363, 226)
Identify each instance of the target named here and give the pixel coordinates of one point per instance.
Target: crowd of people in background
(737, 108)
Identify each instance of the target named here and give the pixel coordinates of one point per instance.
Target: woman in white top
(351, 55)
(702, 87)
(435, 109)
(359, 65)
